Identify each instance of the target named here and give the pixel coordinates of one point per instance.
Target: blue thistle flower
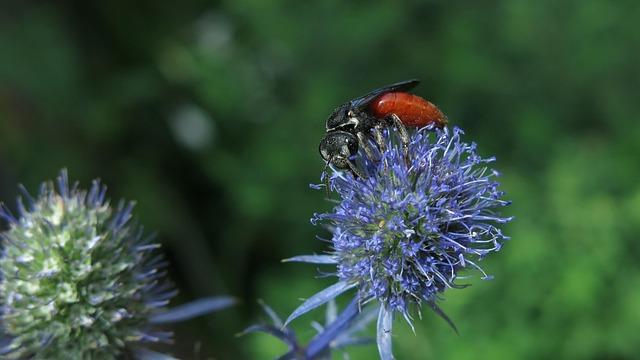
(402, 234)
(80, 280)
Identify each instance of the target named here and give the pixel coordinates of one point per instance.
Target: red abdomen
(411, 109)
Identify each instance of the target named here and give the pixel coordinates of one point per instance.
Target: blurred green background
(208, 113)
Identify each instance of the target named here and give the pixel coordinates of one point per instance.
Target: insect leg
(379, 139)
(404, 136)
(354, 170)
(364, 144)
(345, 160)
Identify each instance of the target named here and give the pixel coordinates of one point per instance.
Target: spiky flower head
(79, 280)
(404, 233)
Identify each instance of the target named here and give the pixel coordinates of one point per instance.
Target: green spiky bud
(79, 280)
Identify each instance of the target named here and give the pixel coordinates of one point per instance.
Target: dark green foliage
(209, 114)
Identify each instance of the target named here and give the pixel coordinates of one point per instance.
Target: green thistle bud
(79, 280)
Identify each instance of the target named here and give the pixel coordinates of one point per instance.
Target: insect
(351, 124)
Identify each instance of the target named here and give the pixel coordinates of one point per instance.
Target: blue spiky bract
(79, 279)
(405, 232)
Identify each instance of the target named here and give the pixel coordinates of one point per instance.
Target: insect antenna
(326, 175)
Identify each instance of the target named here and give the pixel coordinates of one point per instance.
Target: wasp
(352, 124)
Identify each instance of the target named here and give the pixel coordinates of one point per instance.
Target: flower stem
(321, 342)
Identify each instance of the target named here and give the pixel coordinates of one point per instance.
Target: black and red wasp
(353, 123)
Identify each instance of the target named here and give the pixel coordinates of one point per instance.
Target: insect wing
(361, 102)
